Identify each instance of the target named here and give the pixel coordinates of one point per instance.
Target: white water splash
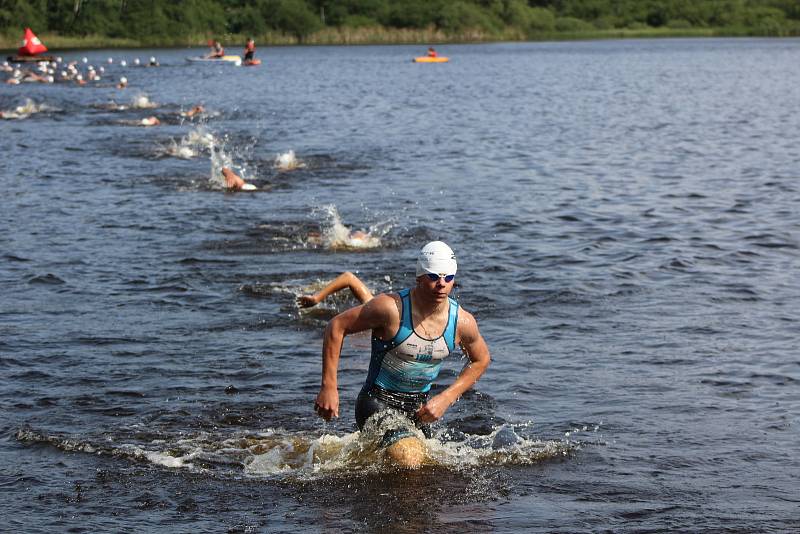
(335, 235)
(142, 101)
(26, 110)
(190, 145)
(279, 452)
(288, 161)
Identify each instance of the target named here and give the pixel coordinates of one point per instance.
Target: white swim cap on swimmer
(123, 80)
(436, 258)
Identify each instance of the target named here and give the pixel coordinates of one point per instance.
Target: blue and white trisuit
(402, 370)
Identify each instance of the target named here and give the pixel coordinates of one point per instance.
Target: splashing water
(282, 453)
(222, 155)
(288, 162)
(335, 235)
(26, 110)
(190, 145)
(142, 101)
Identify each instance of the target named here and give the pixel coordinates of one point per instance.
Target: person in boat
(249, 50)
(234, 182)
(412, 332)
(217, 51)
(432, 52)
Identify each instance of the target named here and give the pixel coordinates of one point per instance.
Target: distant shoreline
(381, 36)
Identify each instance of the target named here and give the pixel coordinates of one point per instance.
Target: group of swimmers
(57, 71)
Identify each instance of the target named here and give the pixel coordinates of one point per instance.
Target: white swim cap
(123, 80)
(436, 258)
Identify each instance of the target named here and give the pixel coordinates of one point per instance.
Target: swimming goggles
(435, 277)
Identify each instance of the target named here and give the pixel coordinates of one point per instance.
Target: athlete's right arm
(376, 314)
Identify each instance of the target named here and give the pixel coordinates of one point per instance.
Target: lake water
(625, 214)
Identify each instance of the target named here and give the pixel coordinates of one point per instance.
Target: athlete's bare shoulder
(385, 310)
(467, 326)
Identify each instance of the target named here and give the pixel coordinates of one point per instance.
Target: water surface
(625, 217)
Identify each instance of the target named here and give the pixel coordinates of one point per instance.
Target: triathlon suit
(249, 51)
(402, 370)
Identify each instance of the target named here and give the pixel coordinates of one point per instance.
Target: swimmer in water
(123, 83)
(150, 121)
(412, 331)
(234, 182)
(194, 111)
(345, 280)
(354, 239)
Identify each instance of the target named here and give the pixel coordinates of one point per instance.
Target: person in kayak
(432, 52)
(412, 332)
(249, 50)
(217, 51)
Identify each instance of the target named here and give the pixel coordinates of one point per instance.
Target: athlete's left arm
(473, 344)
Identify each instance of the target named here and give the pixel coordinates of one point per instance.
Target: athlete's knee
(408, 452)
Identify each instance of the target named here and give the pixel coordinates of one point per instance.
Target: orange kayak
(428, 59)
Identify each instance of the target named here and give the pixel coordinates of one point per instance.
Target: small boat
(429, 59)
(236, 60)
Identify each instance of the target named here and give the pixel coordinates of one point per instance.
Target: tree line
(187, 21)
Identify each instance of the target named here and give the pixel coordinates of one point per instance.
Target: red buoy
(31, 45)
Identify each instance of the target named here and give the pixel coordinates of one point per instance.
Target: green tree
(16, 15)
(295, 17)
(459, 15)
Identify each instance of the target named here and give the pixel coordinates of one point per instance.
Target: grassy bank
(382, 35)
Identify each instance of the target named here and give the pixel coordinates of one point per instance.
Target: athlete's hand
(434, 409)
(327, 403)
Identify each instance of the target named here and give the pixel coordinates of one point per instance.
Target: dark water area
(626, 220)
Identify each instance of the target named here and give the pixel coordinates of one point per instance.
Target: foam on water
(142, 101)
(335, 235)
(190, 145)
(223, 154)
(288, 161)
(26, 110)
(282, 453)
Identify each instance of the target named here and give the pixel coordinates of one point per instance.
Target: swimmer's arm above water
(377, 314)
(344, 280)
(476, 349)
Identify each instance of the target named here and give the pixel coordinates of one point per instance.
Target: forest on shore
(101, 23)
